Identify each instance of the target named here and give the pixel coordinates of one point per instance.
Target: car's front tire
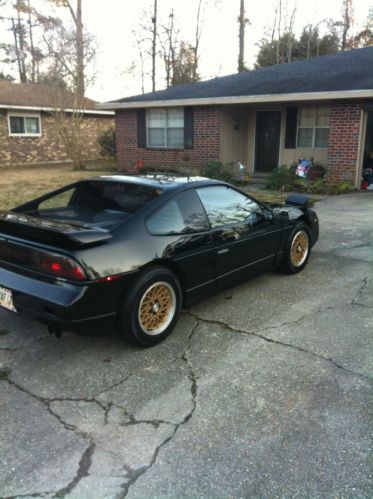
(151, 308)
(297, 250)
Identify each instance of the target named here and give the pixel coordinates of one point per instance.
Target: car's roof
(165, 181)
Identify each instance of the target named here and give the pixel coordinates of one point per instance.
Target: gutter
(53, 109)
(248, 99)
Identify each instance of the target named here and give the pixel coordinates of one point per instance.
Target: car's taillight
(61, 266)
(44, 261)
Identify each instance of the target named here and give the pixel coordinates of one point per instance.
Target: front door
(267, 140)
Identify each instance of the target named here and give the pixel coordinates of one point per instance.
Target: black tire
(297, 250)
(151, 308)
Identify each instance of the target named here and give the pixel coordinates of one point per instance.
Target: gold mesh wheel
(299, 248)
(157, 308)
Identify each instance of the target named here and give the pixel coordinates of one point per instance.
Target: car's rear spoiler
(50, 231)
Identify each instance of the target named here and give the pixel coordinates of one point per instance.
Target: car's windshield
(97, 202)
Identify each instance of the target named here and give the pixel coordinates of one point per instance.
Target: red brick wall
(344, 136)
(49, 147)
(206, 142)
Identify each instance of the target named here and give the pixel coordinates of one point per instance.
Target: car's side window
(225, 206)
(182, 214)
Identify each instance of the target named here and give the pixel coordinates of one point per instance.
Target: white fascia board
(52, 109)
(248, 99)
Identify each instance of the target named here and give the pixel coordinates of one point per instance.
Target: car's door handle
(224, 250)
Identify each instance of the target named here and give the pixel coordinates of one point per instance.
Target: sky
(114, 21)
(113, 27)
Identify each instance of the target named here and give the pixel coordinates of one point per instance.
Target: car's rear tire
(297, 250)
(150, 310)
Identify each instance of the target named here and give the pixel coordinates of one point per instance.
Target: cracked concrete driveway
(263, 390)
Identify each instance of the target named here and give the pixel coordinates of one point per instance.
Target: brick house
(320, 108)
(28, 132)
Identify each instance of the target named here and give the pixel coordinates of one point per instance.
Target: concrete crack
(257, 334)
(46, 402)
(86, 458)
(34, 494)
(83, 471)
(106, 414)
(91, 400)
(153, 422)
(134, 475)
(133, 421)
(361, 290)
(114, 385)
(191, 375)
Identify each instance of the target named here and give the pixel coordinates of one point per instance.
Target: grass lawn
(21, 184)
(268, 197)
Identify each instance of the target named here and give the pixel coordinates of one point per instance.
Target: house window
(313, 127)
(24, 125)
(165, 128)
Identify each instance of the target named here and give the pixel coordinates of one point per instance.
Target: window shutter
(188, 127)
(367, 105)
(291, 127)
(141, 128)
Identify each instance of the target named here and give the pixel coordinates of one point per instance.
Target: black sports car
(134, 249)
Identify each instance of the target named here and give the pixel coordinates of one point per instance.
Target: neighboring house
(28, 132)
(320, 108)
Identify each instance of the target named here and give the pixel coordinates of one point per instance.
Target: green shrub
(282, 178)
(341, 188)
(107, 144)
(172, 170)
(219, 171)
(320, 186)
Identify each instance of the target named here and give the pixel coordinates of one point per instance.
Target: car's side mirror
(267, 214)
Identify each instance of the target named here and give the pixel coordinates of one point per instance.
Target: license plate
(6, 299)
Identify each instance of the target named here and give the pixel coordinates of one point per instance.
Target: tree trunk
(346, 23)
(241, 37)
(21, 46)
(154, 44)
(32, 48)
(199, 24)
(14, 29)
(80, 86)
(278, 32)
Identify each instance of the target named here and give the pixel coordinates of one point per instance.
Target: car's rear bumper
(62, 303)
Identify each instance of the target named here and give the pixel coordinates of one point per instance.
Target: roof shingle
(38, 95)
(351, 70)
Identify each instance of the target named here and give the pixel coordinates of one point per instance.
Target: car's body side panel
(245, 250)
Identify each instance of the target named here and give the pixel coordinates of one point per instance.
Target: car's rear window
(97, 201)
(113, 195)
